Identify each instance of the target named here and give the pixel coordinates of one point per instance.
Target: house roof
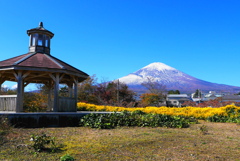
(231, 97)
(177, 95)
(40, 62)
(196, 99)
(210, 95)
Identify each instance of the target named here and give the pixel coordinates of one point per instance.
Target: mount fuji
(173, 79)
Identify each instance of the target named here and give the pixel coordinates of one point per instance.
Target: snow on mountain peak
(158, 71)
(158, 66)
(172, 78)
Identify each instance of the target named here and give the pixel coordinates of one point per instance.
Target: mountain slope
(173, 79)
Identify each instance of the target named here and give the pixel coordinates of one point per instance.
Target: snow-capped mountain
(173, 79)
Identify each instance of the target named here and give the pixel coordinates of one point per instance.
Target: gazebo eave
(10, 69)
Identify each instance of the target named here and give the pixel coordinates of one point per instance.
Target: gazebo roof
(41, 63)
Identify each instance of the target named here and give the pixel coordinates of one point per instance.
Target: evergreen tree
(174, 92)
(197, 94)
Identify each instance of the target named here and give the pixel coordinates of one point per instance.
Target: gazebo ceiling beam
(17, 74)
(62, 75)
(58, 76)
(37, 78)
(26, 74)
(2, 78)
(1, 81)
(37, 75)
(25, 84)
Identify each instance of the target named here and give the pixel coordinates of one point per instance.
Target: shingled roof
(40, 62)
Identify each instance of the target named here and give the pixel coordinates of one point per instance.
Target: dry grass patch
(222, 142)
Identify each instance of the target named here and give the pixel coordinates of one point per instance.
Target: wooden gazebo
(38, 66)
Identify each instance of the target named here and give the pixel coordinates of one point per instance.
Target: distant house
(176, 100)
(230, 98)
(211, 95)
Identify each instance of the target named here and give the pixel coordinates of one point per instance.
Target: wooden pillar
(1, 88)
(56, 91)
(50, 105)
(49, 86)
(70, 89)
(2, 80)
(20, 89)
(75, 91)
(56, 79)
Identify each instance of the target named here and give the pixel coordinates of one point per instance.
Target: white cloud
(4, 86)
(14, 86)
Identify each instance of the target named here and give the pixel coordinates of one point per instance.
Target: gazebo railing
(67, 104)
(8, 102)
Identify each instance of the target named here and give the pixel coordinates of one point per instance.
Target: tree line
(112, 93)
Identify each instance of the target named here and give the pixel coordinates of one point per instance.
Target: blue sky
(112, 38)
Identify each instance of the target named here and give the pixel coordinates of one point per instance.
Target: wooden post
(20, 89)
(56, 79)
(49, 86)
(0, 88)
(70, 89)
(1, 82)
(56, 90)
(75, 91)
(19, 104)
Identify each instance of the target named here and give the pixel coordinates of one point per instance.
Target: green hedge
(221, 118)
(136, 118)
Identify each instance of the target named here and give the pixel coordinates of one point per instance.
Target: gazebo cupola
(39, 39)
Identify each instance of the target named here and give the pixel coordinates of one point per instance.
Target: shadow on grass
(57, 149)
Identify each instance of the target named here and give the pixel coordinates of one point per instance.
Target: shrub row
(136, 118)
(229, 113)
(221, 118)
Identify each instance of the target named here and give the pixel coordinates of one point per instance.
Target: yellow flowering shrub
(197, 112)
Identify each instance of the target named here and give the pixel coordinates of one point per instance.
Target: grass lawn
(203, 141)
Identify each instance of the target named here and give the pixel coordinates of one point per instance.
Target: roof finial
(40, 24)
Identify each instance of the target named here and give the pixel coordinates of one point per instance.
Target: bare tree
(154, 86)
(105, 93)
